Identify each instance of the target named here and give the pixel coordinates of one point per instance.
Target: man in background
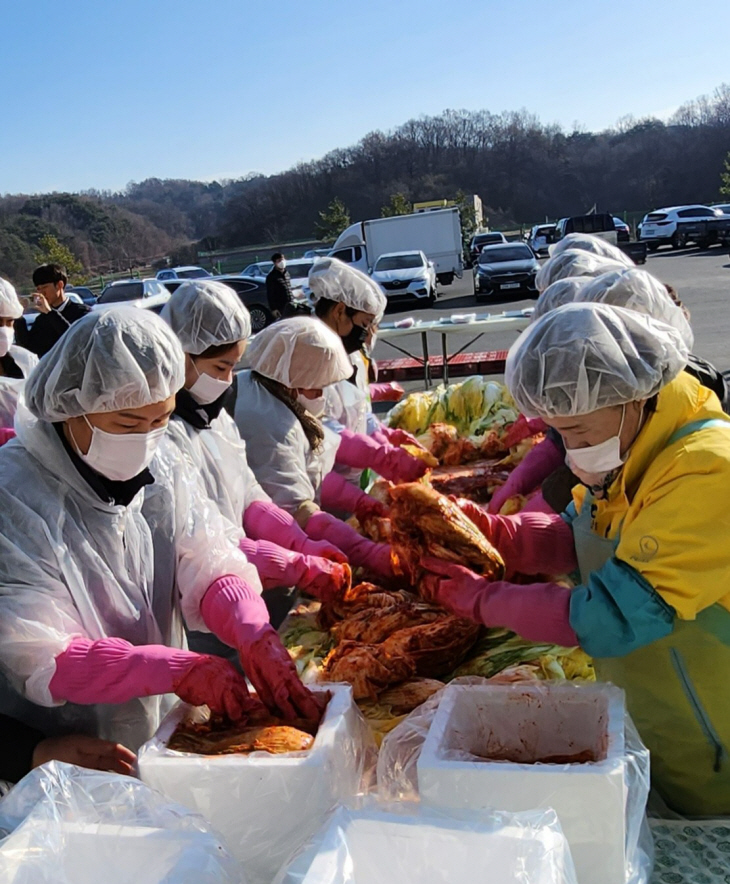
(56, 312)
(278, 289)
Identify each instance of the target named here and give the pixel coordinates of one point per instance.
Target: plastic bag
(413, 845)
(265, 805)
(625, 777)
(67, 825)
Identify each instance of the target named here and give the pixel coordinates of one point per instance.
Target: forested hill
(523, 170)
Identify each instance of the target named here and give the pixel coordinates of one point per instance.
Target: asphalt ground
(701, 278)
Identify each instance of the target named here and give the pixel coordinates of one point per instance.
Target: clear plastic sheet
(66, 825)
(450, 777)
(266, 806)
(412, 845)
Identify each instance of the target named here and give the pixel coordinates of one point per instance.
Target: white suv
(148, 293)
(659, 228)
(406, 275)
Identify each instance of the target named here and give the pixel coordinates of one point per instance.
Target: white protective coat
(73, 565)
(219, 456)
(277, 448)
(11, 388)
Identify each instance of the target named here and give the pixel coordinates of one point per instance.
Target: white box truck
(436, 234)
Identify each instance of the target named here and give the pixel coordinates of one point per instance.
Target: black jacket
(17, 744)
(278, 290)
(48, 327)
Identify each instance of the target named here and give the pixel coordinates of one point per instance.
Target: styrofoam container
(476, 724)
(265, 805)
(421, 847)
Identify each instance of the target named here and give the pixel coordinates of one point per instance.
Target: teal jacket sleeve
(618, 611)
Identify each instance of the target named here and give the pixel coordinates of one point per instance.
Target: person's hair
(214, 351)
(277, 256)
(672, 292)
(312, 427)
(324, 305)
(49, 273)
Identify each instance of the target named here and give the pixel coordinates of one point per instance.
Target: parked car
(252, 293)
(316, 253)
(187, 272)
(670, 226)
(298, 271)
(541, 238)
(406, 275)
(259, 270)
(479, 240)
(148, 293)
(723, 207)
(510, 267)
(83, 292)
(623, 231)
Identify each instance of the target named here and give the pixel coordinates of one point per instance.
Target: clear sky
(96, 93)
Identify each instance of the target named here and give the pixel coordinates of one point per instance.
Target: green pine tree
(399, 205)
(54, 252)
(335, 218)
(725, 177)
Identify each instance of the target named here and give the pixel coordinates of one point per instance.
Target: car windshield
(300, 270)
(486, 238)
(194, 273)
(125, 291)
(398, 262)
(508, 253)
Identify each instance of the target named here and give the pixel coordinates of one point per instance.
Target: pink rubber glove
(6, 434)
(339, 494)
(529, 542)
(363, 452)
(538, 612)
(390, 436)
(362, 552)
(390, 391)
(236, 613)
(536, 466)
(523, 428)
(110, 670)
(264, 520)
(320, 578)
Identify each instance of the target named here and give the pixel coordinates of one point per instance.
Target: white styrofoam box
(265, 805)
(51, 852)
(371, 846)
(477, 722)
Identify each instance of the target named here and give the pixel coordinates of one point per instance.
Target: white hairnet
(336, 281)
(300, 353)
(10, 306)
(204, 313)
(562, 291)
(574, 262)
(588, 243)
(122, 357)
(637, 290)
(582, 357)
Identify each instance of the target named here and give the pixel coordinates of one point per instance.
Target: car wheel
(260, 317)
(653, 246)
(679, 240)
(432, 295)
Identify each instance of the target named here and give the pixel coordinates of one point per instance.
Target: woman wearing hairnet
(291, 452)
(574, 262)
(16, 363)
(349, 302)
(647, 533)
(588, 242)
(213, 328)
(631, 288)
(105, 550)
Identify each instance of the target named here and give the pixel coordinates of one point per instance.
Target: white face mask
(281, 264)
(207, 389)
(592, 464)
(120, 456)
(7, 339)
(314, 406)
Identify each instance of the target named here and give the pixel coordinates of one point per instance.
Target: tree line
(524, 171)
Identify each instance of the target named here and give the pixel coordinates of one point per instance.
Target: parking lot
(702, 280)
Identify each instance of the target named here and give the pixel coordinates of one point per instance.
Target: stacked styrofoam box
(475, 722)
(264, 805)
(374, 846)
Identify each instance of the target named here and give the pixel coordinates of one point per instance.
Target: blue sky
(97, 94)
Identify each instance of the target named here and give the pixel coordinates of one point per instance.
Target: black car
(479, 240)
(505, 269)
(252, 293)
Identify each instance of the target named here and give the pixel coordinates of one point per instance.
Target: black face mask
(354, 339)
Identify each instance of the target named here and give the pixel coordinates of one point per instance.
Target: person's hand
(483, 520)
(40, 303)
(452, 586)
(214, 682)
(274, 676)
(401, 437)
(326, 580)
(402, 467)
(369, 508)
(325, 550)
(85, 751)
